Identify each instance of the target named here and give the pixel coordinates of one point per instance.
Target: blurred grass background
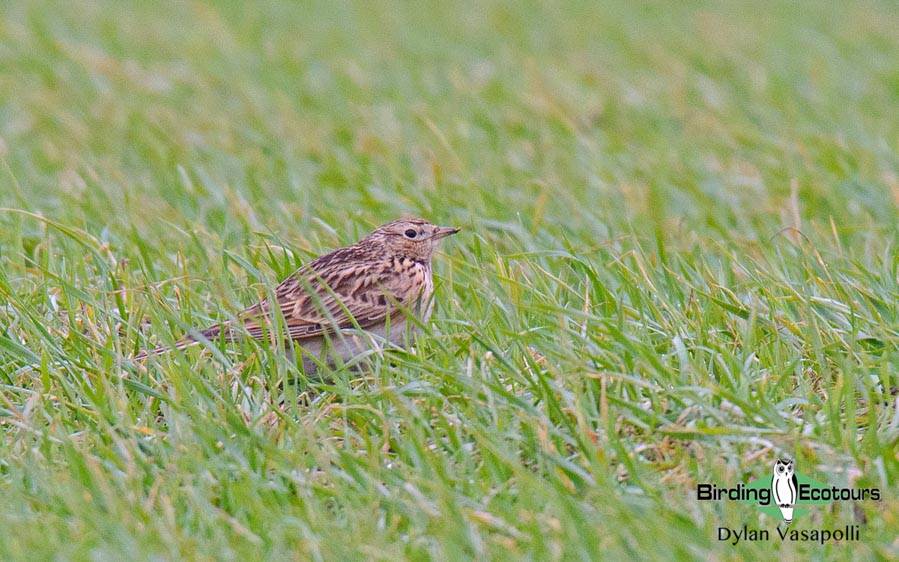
(679, 262)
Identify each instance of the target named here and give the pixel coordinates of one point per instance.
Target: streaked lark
(345, 303)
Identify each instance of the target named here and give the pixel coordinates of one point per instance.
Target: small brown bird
(347, 302)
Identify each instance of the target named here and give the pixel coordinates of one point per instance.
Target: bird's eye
(410, 233)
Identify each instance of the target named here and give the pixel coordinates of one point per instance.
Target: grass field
(680, 261)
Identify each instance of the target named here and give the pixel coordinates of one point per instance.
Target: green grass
(680, 261)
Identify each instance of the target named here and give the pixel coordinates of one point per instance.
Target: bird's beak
(444, 231)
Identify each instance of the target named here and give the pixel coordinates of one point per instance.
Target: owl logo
(784, 488)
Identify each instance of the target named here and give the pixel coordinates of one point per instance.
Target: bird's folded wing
(312, 308)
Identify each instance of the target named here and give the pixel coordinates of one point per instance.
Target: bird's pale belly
(352, 346)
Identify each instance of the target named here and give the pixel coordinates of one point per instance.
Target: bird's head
(411, 238)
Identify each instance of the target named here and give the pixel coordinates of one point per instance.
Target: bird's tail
(210, 333)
